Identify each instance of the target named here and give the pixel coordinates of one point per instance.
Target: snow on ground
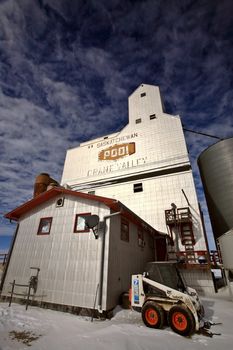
(44, 329)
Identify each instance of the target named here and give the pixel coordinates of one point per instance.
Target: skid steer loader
(161, 295)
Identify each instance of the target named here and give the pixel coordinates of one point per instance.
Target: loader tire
(181, 320)
(153, 315)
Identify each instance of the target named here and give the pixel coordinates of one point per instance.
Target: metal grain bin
(41, 183)
(226, 246)
(216, 169)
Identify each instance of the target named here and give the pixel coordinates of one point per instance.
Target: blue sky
(67, 68)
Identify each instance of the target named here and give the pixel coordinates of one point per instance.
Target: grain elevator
(146, 166)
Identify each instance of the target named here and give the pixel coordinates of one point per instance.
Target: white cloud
(59, 86)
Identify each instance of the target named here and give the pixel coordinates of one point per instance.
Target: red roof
(55, 191)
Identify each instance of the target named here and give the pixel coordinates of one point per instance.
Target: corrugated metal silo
(226, 246)
(216, 169)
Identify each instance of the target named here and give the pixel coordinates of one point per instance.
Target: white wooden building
(75, 266)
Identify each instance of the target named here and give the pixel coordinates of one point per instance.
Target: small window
(141, 241)
(143, 94)
(152, 116)
(137, 187)
(91, 192)
(137, 121)
(80, 223)
(45, 226)
(124, 230)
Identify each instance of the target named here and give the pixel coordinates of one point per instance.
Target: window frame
(124, 233)
(39, 231)
(76, 221)
(153, 116)
(138, 186)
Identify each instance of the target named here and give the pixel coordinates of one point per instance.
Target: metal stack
(216, 169)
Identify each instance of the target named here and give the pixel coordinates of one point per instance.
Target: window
(141, 241)
(80, 223)
(124, 230)
(91, 192)
(45, 226)
(105, 137)
(152, 116)
(143, 94)
(137, 121)
(137, 187)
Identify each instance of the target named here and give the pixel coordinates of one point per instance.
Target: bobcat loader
(161, 295)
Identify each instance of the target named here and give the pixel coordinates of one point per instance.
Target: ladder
(181, 220)
(187, 239)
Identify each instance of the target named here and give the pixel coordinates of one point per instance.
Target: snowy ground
(43, 329)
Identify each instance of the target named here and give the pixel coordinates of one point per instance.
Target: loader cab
(165, 273)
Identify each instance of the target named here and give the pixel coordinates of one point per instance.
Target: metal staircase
(180, 220)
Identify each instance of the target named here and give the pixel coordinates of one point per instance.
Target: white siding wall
(156, 198)
(143, 107)
(160, 145)
(125, 259)
(69, 262)
(201, 280)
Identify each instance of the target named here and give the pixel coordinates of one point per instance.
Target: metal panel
(125, 259)
(159, 144)
(69, 262)
(226, 246)
(216, 168)
(159, 149)
(158, 194)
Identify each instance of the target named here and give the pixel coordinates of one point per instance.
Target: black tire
(181, 320)
(153, 315)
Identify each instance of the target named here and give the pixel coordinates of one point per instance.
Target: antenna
(92, 222)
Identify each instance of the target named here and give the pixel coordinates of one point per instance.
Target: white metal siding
(157, 195)
(143, 107)
(125, 259)
(226, 246)
(69, 262)
(160, 146)
(200, 280)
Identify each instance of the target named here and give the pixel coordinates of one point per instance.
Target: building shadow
(209, 308)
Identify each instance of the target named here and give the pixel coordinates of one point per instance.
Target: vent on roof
(60, 202)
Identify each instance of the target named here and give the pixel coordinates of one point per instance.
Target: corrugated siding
(157, 195)
(216, 168)
(125, 259)
(159, 146)
(69, 262)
